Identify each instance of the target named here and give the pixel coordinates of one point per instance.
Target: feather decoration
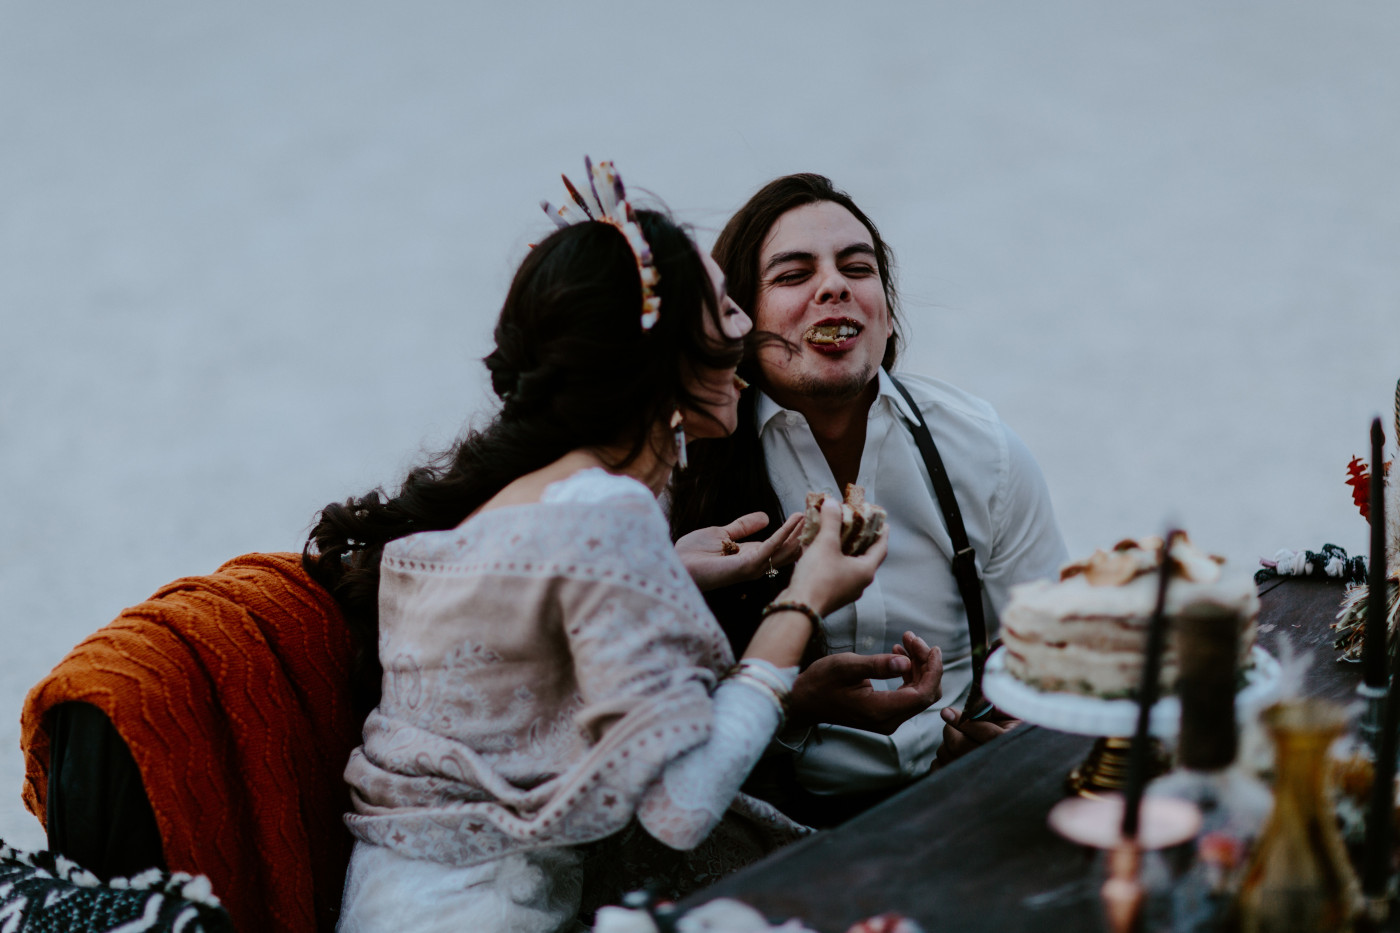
(1351, 619)
(592, 210)
(600, 183)
(606, 201)
(590, 172)
(566, 214)
(607, 188)
(556, 214)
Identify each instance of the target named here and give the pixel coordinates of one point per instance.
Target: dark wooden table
(968, 848)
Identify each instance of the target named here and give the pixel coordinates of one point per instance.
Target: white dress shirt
(1006, 507)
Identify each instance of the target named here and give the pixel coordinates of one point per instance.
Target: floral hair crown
(608, 204)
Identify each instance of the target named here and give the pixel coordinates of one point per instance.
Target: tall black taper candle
(1375, 875)
(1375, 656)
(1122, 892)
(1138, 752)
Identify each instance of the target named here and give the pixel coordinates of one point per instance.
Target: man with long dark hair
(813, 269)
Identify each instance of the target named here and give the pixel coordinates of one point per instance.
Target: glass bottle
(1233, 803)
(1299, 877)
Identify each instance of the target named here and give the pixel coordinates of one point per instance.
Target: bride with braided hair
(561, 718)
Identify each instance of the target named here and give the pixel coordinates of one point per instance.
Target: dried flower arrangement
(1351, 619)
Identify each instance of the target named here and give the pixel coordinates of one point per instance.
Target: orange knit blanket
(231, 691)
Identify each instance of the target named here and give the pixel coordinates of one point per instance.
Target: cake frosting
(1086, 633)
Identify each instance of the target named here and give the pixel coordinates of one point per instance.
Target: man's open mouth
(831, 333)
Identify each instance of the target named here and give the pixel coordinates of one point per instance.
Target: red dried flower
(1359, 479)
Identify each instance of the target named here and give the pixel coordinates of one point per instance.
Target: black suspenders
(964, 557)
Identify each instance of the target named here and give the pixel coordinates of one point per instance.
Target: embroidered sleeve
(640, 630)
(641, 645)
(629, 650)
(696, 789)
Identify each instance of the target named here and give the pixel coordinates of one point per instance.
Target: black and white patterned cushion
(42, 892)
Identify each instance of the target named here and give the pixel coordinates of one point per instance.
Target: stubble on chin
(783, 376)
(845, 387)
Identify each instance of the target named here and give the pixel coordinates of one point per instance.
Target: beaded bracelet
(790, 605)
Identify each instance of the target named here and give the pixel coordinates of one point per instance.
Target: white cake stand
(1112, 720)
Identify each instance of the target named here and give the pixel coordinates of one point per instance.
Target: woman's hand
(827, 579)
(703, 551)
(836, 689)
(824, 579)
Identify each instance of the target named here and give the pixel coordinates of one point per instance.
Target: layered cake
(1086, 633)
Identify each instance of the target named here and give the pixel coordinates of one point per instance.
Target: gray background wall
(250, 256)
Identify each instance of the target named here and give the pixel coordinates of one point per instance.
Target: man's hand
(960, 737)
(709, 553)
(836, 689)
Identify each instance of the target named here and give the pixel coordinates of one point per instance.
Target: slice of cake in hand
(861, 521)
(1087, 632)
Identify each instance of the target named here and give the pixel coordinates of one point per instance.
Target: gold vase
(1299, 877)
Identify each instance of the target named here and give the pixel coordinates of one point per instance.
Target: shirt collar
(765, 409)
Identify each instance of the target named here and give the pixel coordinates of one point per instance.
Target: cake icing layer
(1081, 636)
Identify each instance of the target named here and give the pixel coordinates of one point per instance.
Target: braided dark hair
(573, 369)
